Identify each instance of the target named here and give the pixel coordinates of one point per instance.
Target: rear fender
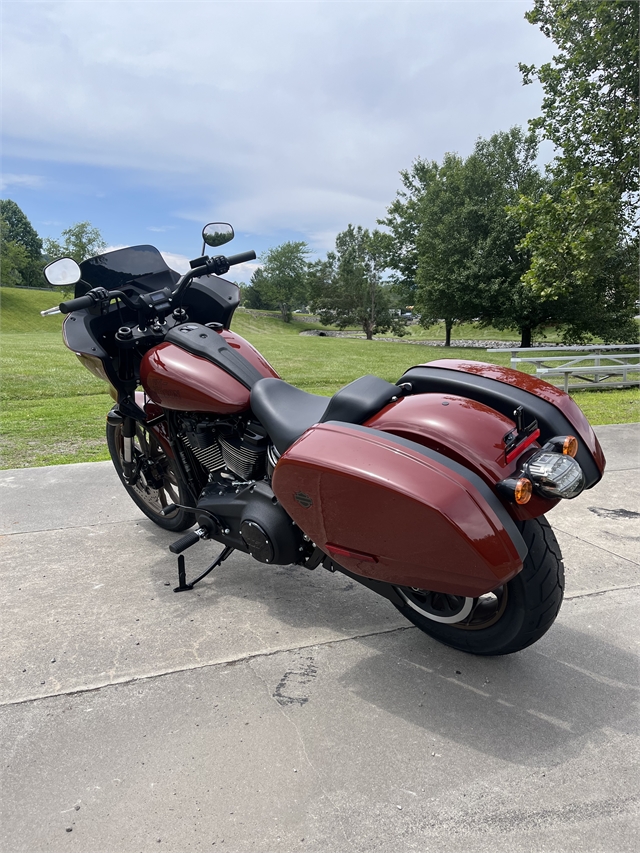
(396, 511)
(504, 389)
(467, 431)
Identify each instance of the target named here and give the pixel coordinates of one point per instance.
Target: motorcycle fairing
(393, 510)
(503, 389)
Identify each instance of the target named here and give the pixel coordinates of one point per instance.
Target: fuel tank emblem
(303, 499)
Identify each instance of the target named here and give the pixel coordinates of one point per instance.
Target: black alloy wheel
(155, 484)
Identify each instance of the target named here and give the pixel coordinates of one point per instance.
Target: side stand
(183, 586)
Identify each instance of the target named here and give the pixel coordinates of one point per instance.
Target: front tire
(508, 619)
(157, 484)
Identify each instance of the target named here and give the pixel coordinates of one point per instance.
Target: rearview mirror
(62, 273)
(217, 233)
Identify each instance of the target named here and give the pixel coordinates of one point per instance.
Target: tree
(582, 233)
(470, 263)
(590, 105)
(19, 229)
(403, 221)
(347, 288)
(79, 241)
(500, 170)
(14, 259)
(454, 243)
(282, 279)
(21, 247)
(583, 261)
(253, 295)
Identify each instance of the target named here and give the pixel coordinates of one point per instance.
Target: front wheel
(505, 620)
(156, 484)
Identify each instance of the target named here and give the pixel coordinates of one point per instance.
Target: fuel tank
(179, 380)
(396, 511)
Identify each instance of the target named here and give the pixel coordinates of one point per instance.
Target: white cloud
(180, 263)
(9, 180)
(286, 116)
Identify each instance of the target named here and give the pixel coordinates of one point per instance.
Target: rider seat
(287, 412)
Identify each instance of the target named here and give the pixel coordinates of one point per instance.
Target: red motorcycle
(431, 491)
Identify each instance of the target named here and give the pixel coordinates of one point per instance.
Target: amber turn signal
(570, 446)
(523, 491)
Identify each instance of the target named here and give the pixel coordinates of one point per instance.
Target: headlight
(555, 475)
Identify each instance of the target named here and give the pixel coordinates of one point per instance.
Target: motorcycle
(431, 491)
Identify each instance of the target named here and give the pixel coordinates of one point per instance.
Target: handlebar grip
(76, 304)
(241, 258)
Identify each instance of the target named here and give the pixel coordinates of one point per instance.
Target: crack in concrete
(72, 527)
(219, 663)
(595, 545)
(600, 591)
(249, 657)
(303, 749)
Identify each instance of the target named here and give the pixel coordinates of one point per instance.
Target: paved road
(280, 709)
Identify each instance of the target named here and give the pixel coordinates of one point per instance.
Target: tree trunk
(447, 326)
(284, 312)
(525, 336)
(368, 330)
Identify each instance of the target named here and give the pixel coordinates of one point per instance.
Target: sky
(288, 119)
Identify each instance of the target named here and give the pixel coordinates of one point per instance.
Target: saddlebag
(386, 508)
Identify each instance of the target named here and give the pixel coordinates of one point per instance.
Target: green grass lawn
(53, 410)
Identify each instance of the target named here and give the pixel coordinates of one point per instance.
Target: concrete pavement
(275, 708)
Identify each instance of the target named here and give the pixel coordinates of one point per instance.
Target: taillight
(550, 472)
(555, 475)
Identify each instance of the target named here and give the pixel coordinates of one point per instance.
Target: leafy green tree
(583, 260)
(254, 295)
(455, 247)
(283, 277)
(403, 221)
(583, 233)
(14, 259)
(347, 288)
(500, 170)
(449, 231)
(590, 104)
(79, 241)
(18, 229)
(21, 247)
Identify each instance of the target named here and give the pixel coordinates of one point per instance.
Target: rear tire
(506, 620)
(157, 485)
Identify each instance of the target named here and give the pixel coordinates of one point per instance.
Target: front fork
(128, 435)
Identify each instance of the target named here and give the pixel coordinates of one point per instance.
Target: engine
(237, 506)
(237, 448)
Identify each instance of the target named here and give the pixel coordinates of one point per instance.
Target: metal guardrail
(594, 365)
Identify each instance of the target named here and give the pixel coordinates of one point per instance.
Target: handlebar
(218, 266)
(70, 305)
(242, 258)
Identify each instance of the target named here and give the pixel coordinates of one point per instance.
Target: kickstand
(183, 586)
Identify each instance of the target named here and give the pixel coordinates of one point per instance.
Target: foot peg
(187, 541)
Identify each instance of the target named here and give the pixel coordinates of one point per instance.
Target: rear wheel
(509, 618)
(156, 484)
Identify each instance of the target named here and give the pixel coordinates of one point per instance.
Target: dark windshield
(141, 266)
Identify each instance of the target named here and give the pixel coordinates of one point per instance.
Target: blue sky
(288, 119)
